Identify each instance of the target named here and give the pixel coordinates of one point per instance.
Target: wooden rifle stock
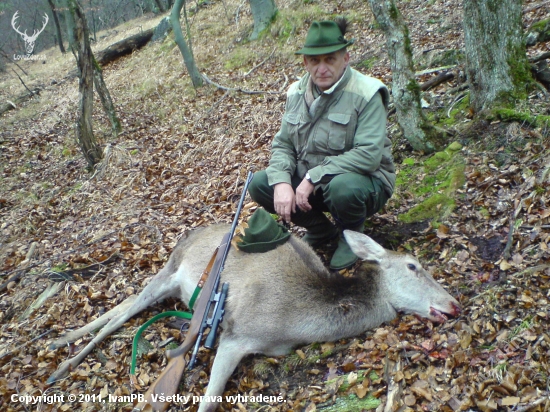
(167, 383)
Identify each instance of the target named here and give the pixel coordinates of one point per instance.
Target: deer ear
(364, 247)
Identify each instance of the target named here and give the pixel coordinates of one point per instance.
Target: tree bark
(185, 50)
(57, 27)
(124, 47)
(496, 64)
(106, 100)
(263, 12)
(160, 6)
(405, 90)
(85, 61)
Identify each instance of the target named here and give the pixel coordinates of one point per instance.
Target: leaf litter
(180, 164)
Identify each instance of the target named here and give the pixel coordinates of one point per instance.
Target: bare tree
(57, 26)
(405, 90)
(80, 44)
(496, 64)
(186, 50)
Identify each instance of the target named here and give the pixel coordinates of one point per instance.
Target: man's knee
(260, 191)
(355, 194)
(350, 188)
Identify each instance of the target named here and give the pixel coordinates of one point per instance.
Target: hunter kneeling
(331, 153)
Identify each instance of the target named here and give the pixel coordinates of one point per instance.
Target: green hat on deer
(324, 37)
(263, 233)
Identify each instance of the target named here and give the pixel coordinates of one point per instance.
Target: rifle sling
(203, 279)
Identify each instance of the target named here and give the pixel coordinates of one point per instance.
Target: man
(331, 153)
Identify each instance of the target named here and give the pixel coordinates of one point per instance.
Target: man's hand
(284, 201)
(302, 194)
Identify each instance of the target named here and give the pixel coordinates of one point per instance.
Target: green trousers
(349, 197)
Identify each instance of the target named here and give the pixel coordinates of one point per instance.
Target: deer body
(283, 298)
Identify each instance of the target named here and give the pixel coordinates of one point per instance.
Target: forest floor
(180, 163)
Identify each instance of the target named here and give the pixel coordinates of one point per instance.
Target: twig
(459, 98)
(57, 257)
(283, 88)
(435, 69)
(237, 12)
(534, 269)
(506, 252)
(259, 64)
(540, 57)
(3, 53)
(536, 6)
(531, 405)
(394, 388)
(221, 99)
(25, 344)
(23, 83)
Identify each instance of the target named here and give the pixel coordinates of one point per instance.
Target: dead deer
(282, 298)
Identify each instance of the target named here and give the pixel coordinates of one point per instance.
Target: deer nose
(456, 309)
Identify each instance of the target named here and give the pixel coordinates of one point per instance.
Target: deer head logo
(29, 40)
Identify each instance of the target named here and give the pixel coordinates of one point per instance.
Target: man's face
(326, 69)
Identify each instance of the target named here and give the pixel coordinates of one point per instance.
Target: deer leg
(229, 354)
(163, 285)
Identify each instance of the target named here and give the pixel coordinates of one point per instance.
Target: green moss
(394, 11)
(541, 26)
(435, 182)
(510, 115)
(444, 119)
(367, 64)
(353, 403)
(241, 56)
(413, 86)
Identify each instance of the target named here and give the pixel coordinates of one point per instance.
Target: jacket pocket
(338, 131)
(292, 120)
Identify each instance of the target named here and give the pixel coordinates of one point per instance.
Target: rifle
(168, 381)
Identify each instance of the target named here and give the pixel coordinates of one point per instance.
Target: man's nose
(323, 68)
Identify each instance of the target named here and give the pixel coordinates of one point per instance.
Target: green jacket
(346, 133)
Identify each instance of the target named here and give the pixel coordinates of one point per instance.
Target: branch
(540, 57)
(536, 6)
(435, 81)
(259, 64)
(23, 83)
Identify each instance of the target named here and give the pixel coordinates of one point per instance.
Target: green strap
(178, 314)
(194, 297)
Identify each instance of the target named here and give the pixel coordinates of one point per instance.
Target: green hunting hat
(263, 233)
(324, 37)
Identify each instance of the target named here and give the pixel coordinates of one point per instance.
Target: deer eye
(412, 267)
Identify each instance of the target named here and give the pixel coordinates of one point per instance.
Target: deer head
(29, 40)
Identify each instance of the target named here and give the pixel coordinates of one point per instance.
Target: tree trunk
(106, 100)
(496, 64)
(263, 12)
(160, 6)
(405, 90)
(124, 47)
(85, 59)
(57, 26)
(185, 50)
